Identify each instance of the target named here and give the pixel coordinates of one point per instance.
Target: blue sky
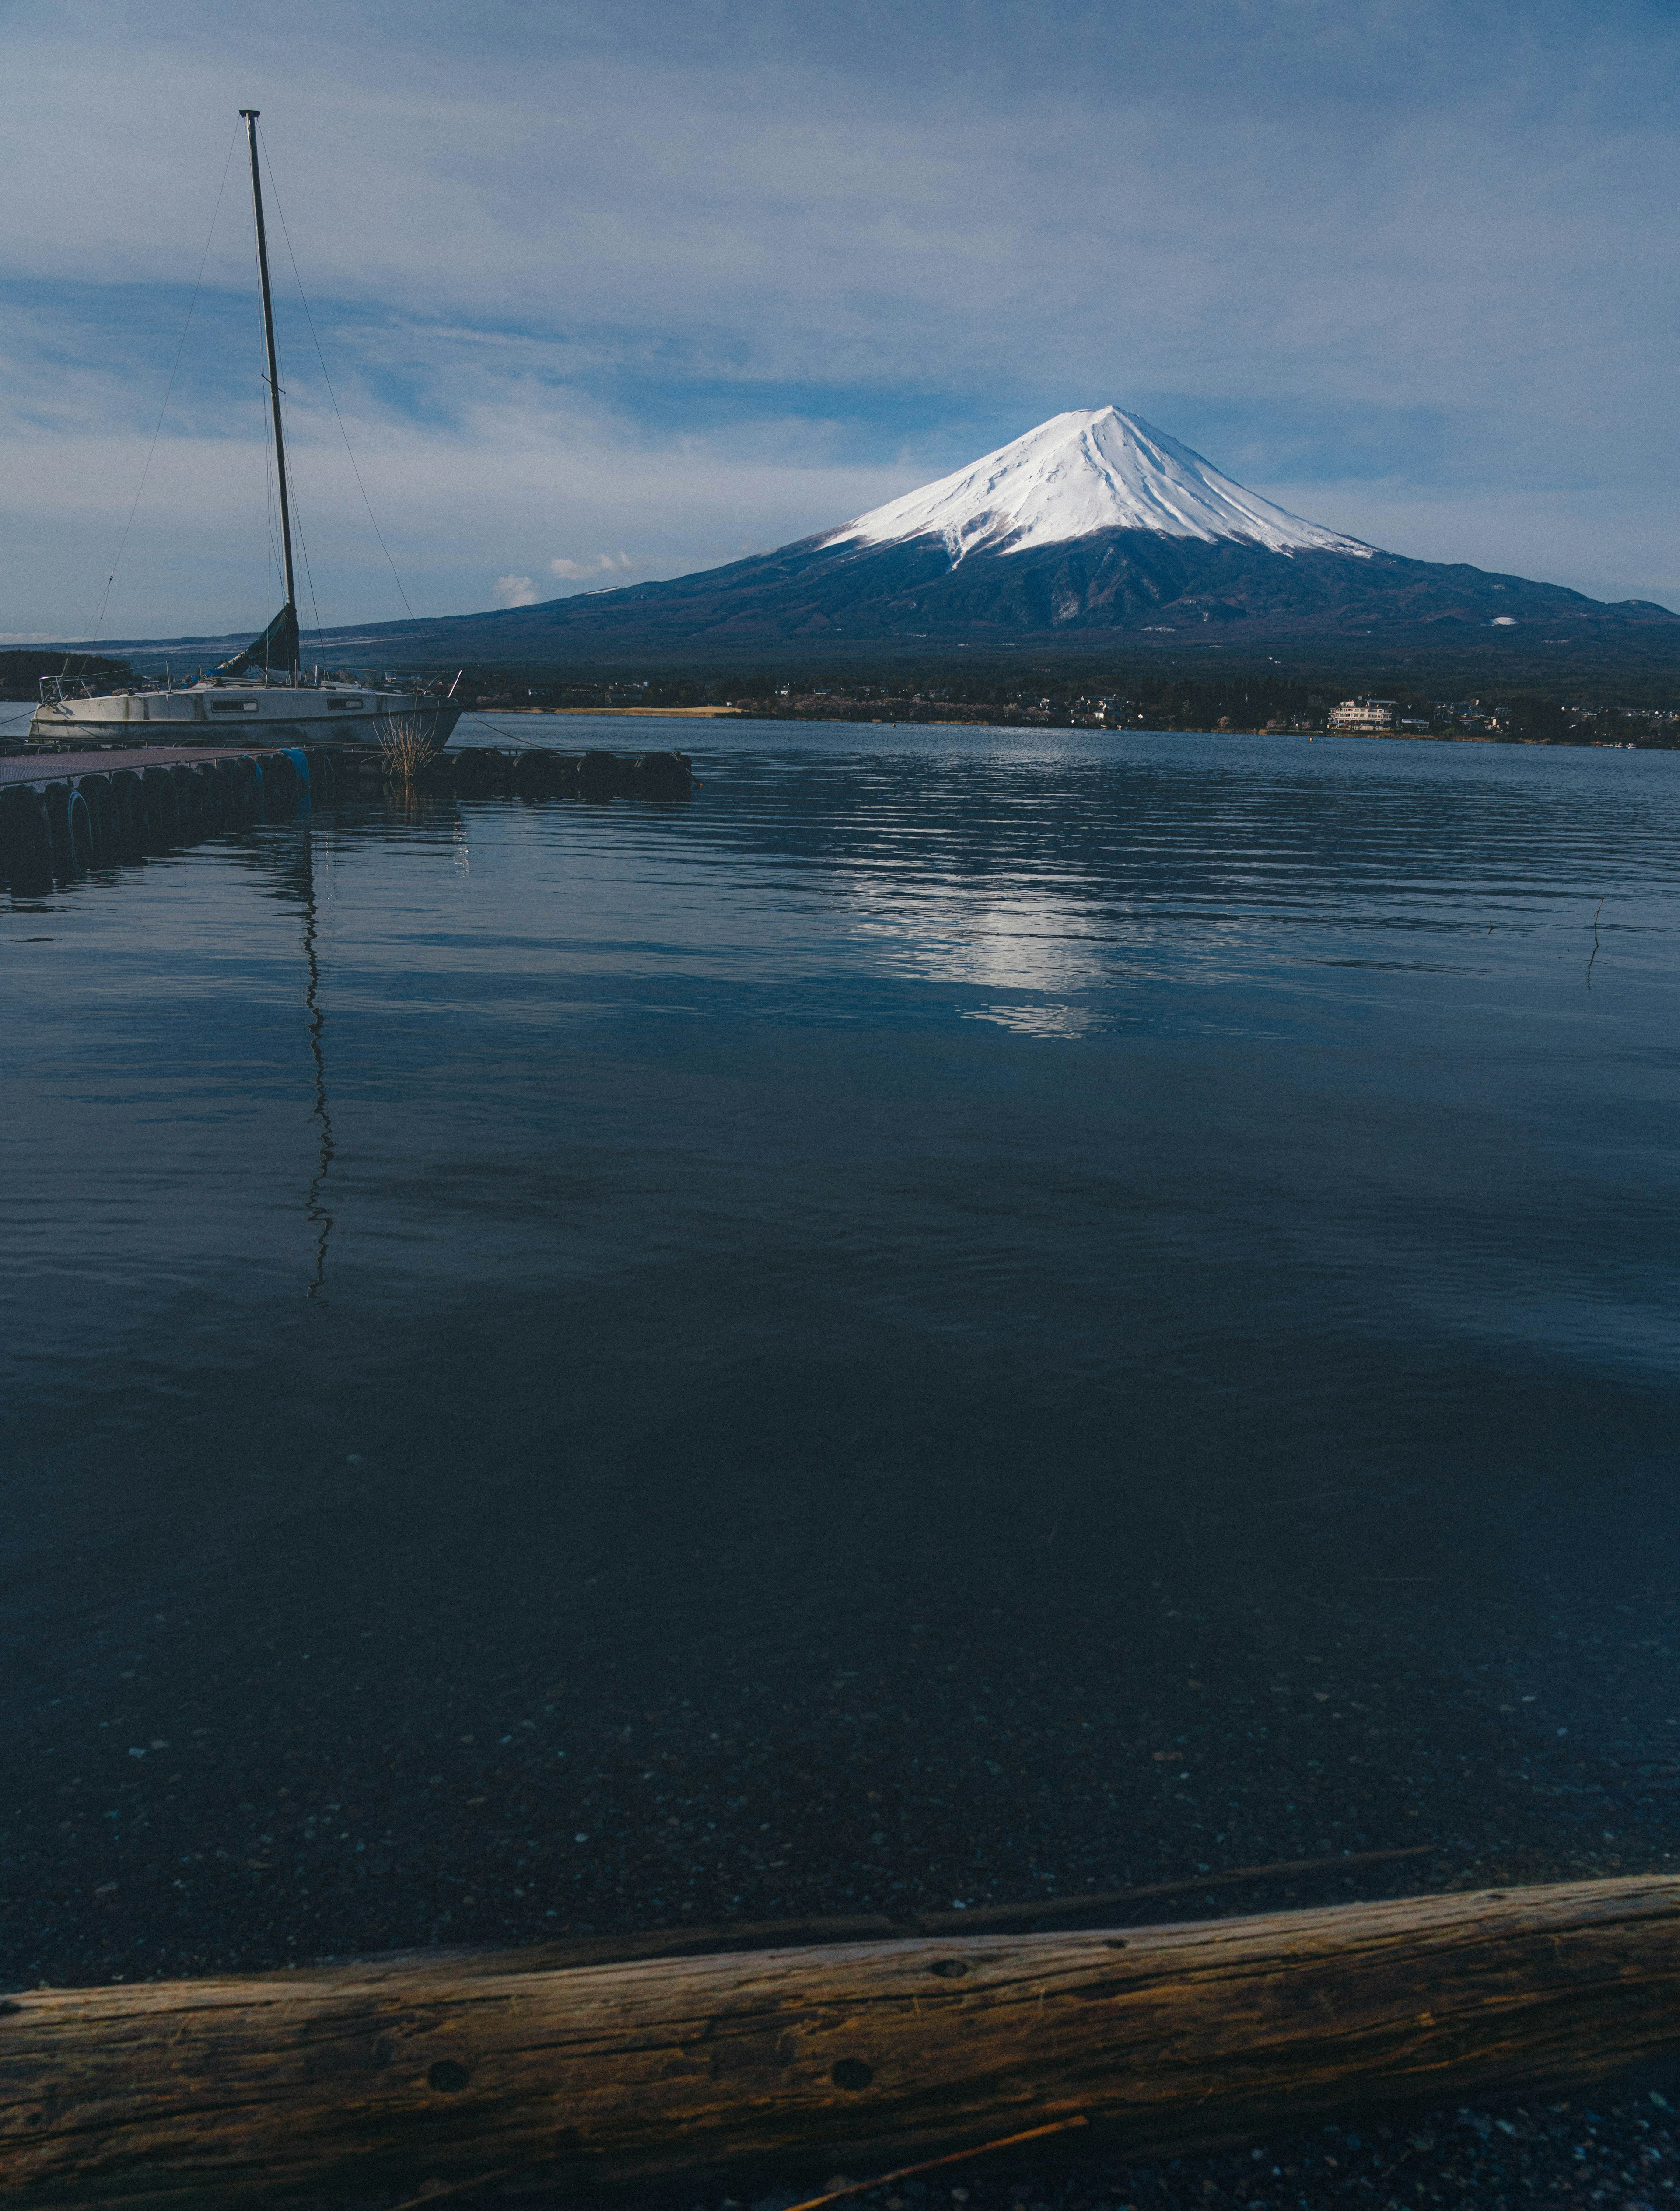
(650, 285)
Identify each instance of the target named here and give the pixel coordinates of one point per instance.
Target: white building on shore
(1362, 715)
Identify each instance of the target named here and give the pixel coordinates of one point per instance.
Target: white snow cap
(1091, 470)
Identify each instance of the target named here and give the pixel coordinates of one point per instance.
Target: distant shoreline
(1047, 721)
(665, 713)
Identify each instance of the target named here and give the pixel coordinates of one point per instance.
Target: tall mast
(251, 115)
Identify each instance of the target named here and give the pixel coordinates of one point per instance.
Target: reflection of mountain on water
(996, 936)
(1072, 884)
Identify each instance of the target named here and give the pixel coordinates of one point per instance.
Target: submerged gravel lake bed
(966, 1316)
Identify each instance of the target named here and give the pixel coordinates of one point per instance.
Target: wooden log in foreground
(357, 2080)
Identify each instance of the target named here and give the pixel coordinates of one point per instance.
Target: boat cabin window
(233, 705)
(338, 705)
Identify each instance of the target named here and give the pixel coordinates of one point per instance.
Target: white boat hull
(240, 714)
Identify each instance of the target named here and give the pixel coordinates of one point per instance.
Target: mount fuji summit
(1092, 473)
(1094, 531)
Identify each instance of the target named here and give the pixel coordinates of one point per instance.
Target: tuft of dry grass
(407, 745)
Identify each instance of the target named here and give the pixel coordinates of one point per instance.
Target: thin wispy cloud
(682, 277)
(614, 567)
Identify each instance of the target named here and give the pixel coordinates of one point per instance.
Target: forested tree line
(21, 672)
(1151, 699)
(1090, 692)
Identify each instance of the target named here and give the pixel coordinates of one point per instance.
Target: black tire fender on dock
(79, 816)
(209, 793)
(27, 852)
(189, 798)
(128, 796)
(102, 812)
(535, 774)
(40, 834)
(57, 829)
(475, 773)
(279, 784)
(17, 832)
(664, 775)
(163, 807)
(71, 828)
(597, 774)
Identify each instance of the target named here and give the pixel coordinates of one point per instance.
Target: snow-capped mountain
(1093, 531)
(1079, 474)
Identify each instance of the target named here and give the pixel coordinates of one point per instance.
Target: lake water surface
(968, 1314)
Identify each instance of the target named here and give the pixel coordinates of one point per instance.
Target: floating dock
(61, 812)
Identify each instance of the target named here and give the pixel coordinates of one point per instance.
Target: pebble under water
(966, 1316)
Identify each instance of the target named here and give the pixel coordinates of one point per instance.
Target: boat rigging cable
(326, 379)
(91, 633)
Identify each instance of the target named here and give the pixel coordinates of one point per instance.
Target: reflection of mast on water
(315, 1211)
(286, 861)
(299, 876)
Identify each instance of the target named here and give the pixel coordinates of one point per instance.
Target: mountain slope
(1119, 587)
(1093, 530)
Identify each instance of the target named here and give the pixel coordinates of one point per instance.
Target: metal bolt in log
(346, 2079)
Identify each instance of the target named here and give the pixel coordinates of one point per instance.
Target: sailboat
(262, 694)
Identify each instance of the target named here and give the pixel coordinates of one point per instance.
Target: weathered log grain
(343, 2082)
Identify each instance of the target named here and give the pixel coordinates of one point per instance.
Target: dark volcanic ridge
(1131, 586)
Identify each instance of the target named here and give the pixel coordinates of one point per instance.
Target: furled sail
(275, 650)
